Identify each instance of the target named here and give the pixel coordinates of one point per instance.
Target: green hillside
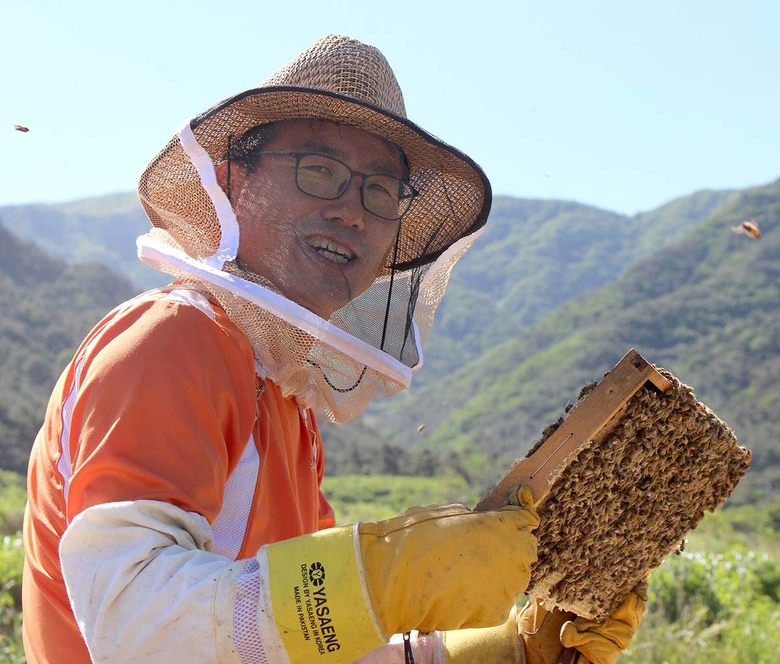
(706, 308)
(48, 306)
(534, 256)
(551, 296)
(100, 230)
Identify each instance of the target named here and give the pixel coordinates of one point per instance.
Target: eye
(317, 167)
(383, 187)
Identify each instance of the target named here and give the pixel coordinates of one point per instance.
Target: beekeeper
(175, 509)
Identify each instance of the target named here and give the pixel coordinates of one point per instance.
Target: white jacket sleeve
(144, 587)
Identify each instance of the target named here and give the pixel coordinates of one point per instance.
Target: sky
(621, 105)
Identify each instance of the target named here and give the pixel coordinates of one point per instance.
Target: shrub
(11, 559)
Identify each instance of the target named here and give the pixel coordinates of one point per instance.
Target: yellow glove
(489, 645)
(540, 631)
(339, 593)
(602, 642)
(538, 635)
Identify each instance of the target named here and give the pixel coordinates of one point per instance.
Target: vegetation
(716, 602)
(12, 497)
(372, 497)
(551, 296)
(48, 306)
(94, 230)
(11, 557)
(704, 307)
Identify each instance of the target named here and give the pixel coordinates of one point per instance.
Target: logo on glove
(317, 574)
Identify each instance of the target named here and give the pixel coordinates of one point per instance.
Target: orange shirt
(162, 402)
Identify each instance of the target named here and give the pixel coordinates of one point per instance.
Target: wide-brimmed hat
(341, 80)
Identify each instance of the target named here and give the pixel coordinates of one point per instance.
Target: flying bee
(748, 227)
(21, 128)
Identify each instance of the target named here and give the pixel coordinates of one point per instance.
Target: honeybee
(748, 227)
(21, 128)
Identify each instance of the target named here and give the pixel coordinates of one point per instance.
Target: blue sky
(622, 105)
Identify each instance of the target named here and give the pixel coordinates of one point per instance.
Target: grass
(716, 603)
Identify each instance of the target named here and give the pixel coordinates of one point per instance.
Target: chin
(323, 310)
(324, 305)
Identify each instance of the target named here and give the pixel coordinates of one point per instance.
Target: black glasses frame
(407, 192)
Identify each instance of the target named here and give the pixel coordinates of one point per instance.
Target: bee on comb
(619, 482)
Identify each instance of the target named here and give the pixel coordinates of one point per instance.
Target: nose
(348, 207)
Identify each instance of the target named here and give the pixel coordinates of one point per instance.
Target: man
(175, 511)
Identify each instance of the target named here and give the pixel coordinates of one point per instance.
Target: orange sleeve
(166, 405)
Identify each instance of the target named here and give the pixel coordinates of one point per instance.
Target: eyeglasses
(325, 177)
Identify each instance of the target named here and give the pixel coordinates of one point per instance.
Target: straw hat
(341, 80)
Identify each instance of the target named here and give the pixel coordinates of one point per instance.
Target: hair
(245, 150)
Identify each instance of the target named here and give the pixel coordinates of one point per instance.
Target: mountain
(706, 307)
(558, 249)
(100, 230)
(48, 306)
(536, 255)
(549, 299)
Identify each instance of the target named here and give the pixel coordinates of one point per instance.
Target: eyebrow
(379, 166)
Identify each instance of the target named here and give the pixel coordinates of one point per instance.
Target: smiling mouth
(332, 251)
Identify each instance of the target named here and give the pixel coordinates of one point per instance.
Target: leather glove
(538, 635)
(601, 643)
(432, 568)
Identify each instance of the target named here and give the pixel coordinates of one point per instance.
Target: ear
(221, 169)
(230, 173)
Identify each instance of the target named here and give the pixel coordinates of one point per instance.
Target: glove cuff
(487, 645)
(319, 597)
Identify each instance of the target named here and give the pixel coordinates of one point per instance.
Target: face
(316, 252)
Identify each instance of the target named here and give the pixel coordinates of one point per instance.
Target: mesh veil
(336, 374)
(332, 320)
